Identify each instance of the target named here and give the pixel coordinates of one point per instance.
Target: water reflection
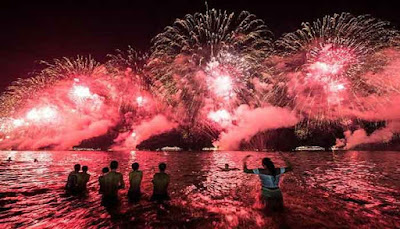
(332, 189)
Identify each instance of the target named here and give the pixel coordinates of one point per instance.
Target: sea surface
(351, 189)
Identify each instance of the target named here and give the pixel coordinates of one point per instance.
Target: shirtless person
(83, 178)
(105, 170)
(135, 179)
(113, 181)
(160, 184)
(72, 181)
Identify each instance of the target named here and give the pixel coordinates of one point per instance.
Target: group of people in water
(111, 181)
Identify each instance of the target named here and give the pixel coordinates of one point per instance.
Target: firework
(327, 61)
(216, 76)
(205, 62)
(71, 96)
(128, 60)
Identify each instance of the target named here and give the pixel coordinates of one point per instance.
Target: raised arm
(288, 164)
(245, 169)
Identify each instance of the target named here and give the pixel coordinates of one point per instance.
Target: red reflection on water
(325, 190)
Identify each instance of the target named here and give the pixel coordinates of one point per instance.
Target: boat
(310, 148)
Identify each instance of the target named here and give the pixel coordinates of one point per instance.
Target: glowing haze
(215, 74)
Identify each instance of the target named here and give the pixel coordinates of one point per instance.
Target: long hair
(270, 166)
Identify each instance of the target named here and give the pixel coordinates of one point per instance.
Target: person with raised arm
(271, 194)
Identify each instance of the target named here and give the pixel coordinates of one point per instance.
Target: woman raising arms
(271, 195)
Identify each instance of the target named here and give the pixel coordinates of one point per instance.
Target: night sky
(43, 31)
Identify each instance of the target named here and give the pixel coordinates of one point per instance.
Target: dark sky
(43, 31)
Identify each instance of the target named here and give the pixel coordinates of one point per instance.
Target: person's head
(85, 169)
(77, 167)
(114, 165)
(105, 170)
(135, 166)
(162, 166)
(226, 166)
(268, 164)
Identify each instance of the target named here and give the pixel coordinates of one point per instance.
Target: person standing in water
(160, 184)
(83, 179)
(113, 181)
(135, 180)
(72, 180)
(271, 195)
(105, 170)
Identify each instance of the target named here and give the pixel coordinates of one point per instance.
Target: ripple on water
(347, 189)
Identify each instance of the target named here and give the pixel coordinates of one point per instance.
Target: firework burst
(327, 61)
(205, 62)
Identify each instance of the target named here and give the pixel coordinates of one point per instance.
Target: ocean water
(352, 189)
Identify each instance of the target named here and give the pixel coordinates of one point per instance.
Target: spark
(18, 122)
(222, 117)
(42, 114)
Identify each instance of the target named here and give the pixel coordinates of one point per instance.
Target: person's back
(268, 180)
(160, 184)
(160, 181)
(72, 180)
(113, 181)
(105, 170)
(269, 176)
(135, 180)
(83, 179)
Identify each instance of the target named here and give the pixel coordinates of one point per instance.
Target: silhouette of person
(83, 179)
(271, 195)
(35, 160)
(160, 184)
(226, 168)
(105, 170)
(72, 181)
(113, 181)
(9, 159)
(135, 180)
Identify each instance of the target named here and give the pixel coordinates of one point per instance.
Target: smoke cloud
(252, 121)
(155, 126)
